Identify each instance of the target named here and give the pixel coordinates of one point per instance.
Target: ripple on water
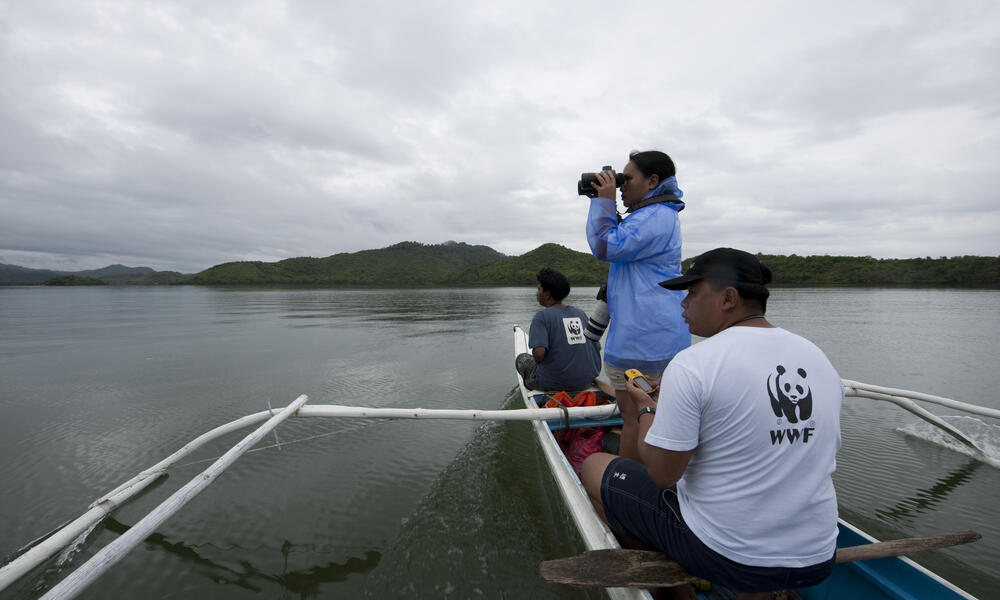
(480, 518)
(985, 435)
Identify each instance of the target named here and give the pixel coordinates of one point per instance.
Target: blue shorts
(638, 508)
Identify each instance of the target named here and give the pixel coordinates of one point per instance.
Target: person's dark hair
(752, 293)
(653, 162)
(553, 282)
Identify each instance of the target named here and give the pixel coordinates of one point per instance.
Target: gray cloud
(179, 136)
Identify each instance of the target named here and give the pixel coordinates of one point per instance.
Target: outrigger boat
(897, 578)
(890, 577)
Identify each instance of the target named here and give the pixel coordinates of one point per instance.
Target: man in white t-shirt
(734, 477)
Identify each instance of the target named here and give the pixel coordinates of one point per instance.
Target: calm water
(97, 384)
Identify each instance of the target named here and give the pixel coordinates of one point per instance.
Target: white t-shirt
(760, 407)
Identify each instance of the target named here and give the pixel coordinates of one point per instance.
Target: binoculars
(584, 188)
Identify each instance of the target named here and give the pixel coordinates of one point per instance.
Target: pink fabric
(578, 444)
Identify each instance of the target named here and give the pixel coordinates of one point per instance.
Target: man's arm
(665, 467)
(539, 353)
(538, 334)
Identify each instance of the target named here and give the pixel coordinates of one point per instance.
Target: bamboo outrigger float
(593, 532)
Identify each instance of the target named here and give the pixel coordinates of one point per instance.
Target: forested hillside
(411, 264)
(579, 267)
(403, 264)
(959, 271)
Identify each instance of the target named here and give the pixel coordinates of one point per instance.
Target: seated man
(735, 460)
(561, 358)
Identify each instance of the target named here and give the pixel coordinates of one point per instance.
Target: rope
(275, 430)
(545, 397)
(279, 445)
(565, 412)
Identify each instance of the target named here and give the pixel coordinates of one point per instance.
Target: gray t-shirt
(571, 361)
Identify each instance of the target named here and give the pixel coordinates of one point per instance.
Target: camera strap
(656, 200)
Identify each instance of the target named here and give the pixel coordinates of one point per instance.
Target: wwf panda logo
(790, 394)
(574, 326)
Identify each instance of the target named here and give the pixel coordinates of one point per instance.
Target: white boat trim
(596, 535)
(906, 559)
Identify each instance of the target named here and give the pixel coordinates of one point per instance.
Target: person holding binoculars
(643, 249)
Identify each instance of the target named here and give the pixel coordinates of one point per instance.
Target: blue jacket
(644, 249)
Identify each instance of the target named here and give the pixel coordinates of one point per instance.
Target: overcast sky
(179, 135)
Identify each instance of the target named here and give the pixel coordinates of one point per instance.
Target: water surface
(98, 383)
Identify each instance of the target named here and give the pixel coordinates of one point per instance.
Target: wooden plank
(616, 568)
(905, 546)
(651, 569)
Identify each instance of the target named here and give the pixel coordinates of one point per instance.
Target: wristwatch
(643, 411)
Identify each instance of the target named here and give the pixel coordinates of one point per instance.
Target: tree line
(958, 271)
(454, 264)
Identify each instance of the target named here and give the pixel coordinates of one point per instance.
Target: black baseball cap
(742, 270)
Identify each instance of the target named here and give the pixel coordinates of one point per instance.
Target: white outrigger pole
(116, 550)
(104, 505)
(905, 399)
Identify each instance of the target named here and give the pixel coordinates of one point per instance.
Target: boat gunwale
(595, 534)
(866, 569)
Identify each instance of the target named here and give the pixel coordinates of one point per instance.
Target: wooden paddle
(651, 569)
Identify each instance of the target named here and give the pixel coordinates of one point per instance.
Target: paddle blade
(650, 569)
(905, 546)
(616, 568)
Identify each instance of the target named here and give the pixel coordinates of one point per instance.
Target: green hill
(15, 275)
(116, 272)
(411, 264)
(112, 274)
(403, 264)
(74, 280)
(579, 267)
(454, 264)
(160, 278)
(958, 271)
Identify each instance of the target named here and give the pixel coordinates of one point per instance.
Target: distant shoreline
(303, 286)
(456, 265)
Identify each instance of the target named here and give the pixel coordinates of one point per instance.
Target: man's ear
(730, 298)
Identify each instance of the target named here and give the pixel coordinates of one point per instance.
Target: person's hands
(641, 398)
(605, 185)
